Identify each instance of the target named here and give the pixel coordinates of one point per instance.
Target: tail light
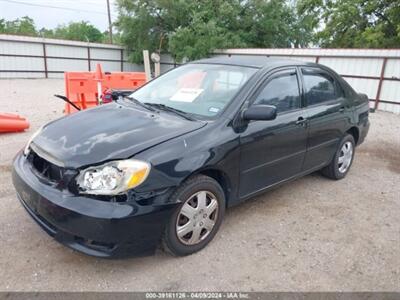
(107, 96)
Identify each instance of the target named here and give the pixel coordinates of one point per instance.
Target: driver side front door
(273, 151)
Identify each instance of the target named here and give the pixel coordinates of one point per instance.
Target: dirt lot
(311, 234)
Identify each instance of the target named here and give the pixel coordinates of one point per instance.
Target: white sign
(186, 95)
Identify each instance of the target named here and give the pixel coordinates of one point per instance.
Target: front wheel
(341, 163)
(197, 220)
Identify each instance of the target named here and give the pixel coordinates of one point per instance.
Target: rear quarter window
(320, 87)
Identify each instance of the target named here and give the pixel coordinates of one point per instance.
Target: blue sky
(94, 11)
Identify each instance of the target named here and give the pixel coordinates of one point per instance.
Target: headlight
(26, 149)
(114, 177)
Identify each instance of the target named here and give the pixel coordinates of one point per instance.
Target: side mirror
(260, 112)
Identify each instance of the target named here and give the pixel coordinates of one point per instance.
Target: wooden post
(122, 60)
(109, 22)
(378, 93)
(46, 72)
(88, 57)
(157, 69)
(146, 61)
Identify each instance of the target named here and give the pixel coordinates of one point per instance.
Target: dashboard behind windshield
(198, 89)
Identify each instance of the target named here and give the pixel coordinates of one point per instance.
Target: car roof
(252, 61)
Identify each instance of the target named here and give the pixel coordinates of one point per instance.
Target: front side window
(282, 92)
(319, 87)
(198, 89)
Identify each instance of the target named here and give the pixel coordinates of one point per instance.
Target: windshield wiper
(171, 109)
(140, 103)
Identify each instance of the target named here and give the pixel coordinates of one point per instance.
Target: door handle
(341, 109)
(301, 121)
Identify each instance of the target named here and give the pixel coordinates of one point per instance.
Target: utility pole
(109, 21)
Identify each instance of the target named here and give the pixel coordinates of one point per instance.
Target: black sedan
(161, 165)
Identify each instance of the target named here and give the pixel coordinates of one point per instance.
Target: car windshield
(198, 89)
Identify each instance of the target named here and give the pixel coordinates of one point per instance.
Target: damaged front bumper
(95, 227)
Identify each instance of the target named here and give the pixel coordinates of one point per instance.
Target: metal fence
(29, 57)
(375, 72)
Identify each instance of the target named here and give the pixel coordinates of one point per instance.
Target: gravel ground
(312, 234)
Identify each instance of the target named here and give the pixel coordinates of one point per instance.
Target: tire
(206, 219)
(336, 169)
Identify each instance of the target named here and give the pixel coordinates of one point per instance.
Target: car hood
(112, 131)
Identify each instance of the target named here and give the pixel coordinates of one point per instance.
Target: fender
(200, 151)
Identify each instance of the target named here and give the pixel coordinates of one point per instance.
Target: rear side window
(281, 91)
(319, 87)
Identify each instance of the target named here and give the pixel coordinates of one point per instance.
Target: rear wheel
(341, 163)
(197, 220)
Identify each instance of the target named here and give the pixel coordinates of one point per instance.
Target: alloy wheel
(345, 157)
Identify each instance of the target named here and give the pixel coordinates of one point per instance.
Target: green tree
(21, 26)
(78, 31)
(268, 24)
(354, 23)
(192, 29)
(2, 26)
(208, 27)
(46, 33)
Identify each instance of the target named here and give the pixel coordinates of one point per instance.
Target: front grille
(44, 168)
